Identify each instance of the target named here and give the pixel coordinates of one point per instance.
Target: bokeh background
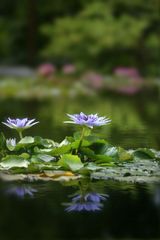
(100, 34)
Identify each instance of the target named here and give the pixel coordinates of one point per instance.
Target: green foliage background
(100, 34)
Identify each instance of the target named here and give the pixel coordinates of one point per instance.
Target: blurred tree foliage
(106, 34)
(93, 34)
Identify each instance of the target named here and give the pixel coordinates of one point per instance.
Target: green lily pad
(26, 140)
(14, 162)
(70, 162)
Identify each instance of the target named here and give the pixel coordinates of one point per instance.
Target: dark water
(128, 212)
(37, 210)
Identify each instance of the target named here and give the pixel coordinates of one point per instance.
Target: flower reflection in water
(88, 202)
(21, 191)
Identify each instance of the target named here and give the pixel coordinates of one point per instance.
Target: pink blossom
(69, 69)
(129, 90)
(127, 72)
(95, 80)
(46, 70)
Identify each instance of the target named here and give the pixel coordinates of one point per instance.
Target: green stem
(20, 134)
(81, 139)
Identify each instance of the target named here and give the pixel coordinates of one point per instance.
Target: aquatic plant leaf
(42, 150)
(38, 166)
(93, 167)
(71, 162)
(14, 161)
(124, 155)
(75, 144)
(101, 147)
(133, 171)
(47, 143)
(107, 153)
(64, 143)
(70, 139)
(24, 155)
(56, 174)
(26, 140)
(156, 153)
(87, 152)
(42, 157)
(102, 158)
(144, 153)
(61, 150)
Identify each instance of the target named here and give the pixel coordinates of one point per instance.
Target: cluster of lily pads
(83, 153)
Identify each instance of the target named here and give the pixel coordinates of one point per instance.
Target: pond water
(39, 211)
(44, 210)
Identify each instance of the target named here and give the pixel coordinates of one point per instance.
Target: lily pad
(14, 162)
(72, 162)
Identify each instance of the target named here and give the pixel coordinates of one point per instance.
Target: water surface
(129, 212)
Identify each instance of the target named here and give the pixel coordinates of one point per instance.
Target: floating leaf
(56, 174)
(93, 167)
(156, 153)
(134, 171)
(144, 153)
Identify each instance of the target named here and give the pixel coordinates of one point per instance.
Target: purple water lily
(19, 124)
(88, 202)
(90, 120)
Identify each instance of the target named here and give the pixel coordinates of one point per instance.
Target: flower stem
(81, 139)
(20, 134)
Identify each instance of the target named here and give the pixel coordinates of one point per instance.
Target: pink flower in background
(95, 80)
(127, 72)
(46, 70)
(134, 80)
(128, 90)
(69, 69)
